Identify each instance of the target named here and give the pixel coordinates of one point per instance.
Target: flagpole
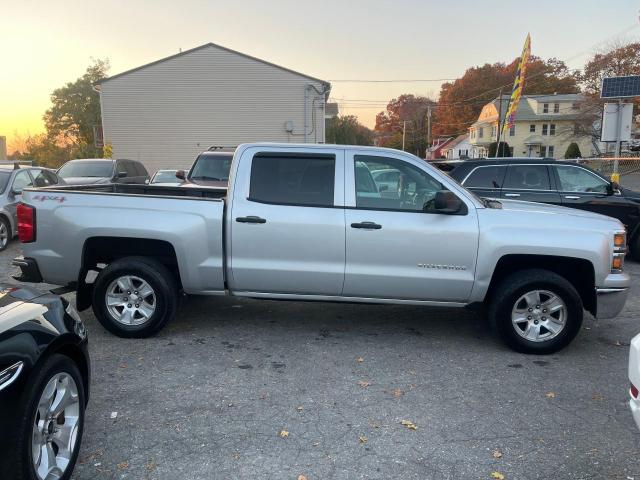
(499, 120)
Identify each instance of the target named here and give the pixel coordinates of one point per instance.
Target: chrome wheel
(55, 427)
(130, 300)
(4, 235)
(539, 315)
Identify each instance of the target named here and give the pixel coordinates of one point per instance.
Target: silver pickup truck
(326, 223)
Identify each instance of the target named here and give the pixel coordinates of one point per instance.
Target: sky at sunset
(44, 44)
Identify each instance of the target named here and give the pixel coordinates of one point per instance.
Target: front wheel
(135, 297)
(536, 311)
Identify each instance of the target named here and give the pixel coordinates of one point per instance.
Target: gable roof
(202, 47)
(459, 139)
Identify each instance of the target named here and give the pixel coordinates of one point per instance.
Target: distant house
(545, 126)
(434, 152)
(459, 147)
(166, 112)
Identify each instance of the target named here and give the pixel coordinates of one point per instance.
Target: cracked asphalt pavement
(213, 395)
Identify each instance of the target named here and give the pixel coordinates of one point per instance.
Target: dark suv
(549, 181)
(210, 169)
(103, 170)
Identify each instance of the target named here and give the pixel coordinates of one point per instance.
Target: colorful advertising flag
(518, 85)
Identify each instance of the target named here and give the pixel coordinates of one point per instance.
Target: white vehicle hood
(521, 206)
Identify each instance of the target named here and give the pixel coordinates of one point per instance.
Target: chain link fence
(628, 168)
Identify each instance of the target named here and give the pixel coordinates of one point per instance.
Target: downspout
(306, 100)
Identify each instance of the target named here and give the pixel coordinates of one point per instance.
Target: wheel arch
(578, 271)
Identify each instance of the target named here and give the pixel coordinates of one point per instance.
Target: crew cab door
(583, 189)
(287, 222)
(530, 182)
(397, 249)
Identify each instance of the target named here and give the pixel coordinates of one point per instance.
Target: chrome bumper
(610, 301)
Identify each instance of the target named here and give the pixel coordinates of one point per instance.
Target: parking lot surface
(243, 389)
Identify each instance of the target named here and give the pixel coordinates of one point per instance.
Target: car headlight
(78, 327)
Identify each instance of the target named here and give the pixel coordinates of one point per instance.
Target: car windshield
(101, 169)
(168, 176)
(211, 167)
(4, 180)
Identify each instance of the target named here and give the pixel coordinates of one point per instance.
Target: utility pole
(499, 120)
(404, 131)
(618, 142)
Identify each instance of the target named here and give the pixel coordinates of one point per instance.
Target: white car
(634, 378)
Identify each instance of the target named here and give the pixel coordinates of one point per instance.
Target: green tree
(573, 151)
(618, 60)
(346, 130)
(42, 150)
(503, 150)
(75, 112)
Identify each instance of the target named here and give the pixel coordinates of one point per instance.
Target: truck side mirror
(447, 202)
(612, 188)
(122, 174)
(180, 174)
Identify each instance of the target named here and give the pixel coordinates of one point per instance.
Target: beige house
(166, 112)
(545, 126)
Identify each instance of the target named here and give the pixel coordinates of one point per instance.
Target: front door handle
(572, 197)
(511, 194)
(366, 226)
(250, 219)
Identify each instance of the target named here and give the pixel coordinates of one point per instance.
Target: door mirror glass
(122, 174)
(446, 202)
(180, 174)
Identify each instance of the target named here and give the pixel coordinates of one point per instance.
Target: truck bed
(187, 222)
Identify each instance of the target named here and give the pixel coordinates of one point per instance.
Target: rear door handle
(511, 194)
(366, 226)
(572, 197)
(250, 219)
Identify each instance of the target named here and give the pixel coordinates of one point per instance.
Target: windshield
(4, 180)
(95, 169)
(211, 167)
(168, 176)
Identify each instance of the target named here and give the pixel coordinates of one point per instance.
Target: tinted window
(51, 177)
(40, 179)
(211, 167)
(21, 181)
(575, 179)
(415, 189)
(97, 169)
(486, 177)
(293, 180)
(528, 177)
(130, 168)
(4, 180)
(168, 176)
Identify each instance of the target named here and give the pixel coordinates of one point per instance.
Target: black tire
(20, 459)
(7, 226)
(152, 272)
(510, 289)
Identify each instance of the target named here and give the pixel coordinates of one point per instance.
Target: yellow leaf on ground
(496, 453)
(360, 360)
(409, 425)
(497, 476)
(363, 439)
(123, 466)
(597, 397)
(550, 395)
(364, 383)
(283, 433)
(398, 393)
(302, 477)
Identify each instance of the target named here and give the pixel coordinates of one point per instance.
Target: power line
(411, 80)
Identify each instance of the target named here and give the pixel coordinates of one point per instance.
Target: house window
(545, 129)
(481, 132)
(532, 128)
(550, 151)
(545, 108)
(511, 151)
(543, 151)
(576, 129)
(512, 131)
(552, 129)
(556, 108)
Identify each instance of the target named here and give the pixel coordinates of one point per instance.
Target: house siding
(165, 113)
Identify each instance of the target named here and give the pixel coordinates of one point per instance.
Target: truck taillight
(26, 223)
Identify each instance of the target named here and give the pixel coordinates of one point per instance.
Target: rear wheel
(135, 297)
(536, 311)
(5, 233)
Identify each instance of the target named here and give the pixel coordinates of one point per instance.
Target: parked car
(165, 177)
(88, 171)
(44, 384)
(634, 378)
(295, 224)
(556, 182)
(13, 178)
(211, 168)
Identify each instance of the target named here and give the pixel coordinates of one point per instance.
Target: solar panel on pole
(620, 87)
